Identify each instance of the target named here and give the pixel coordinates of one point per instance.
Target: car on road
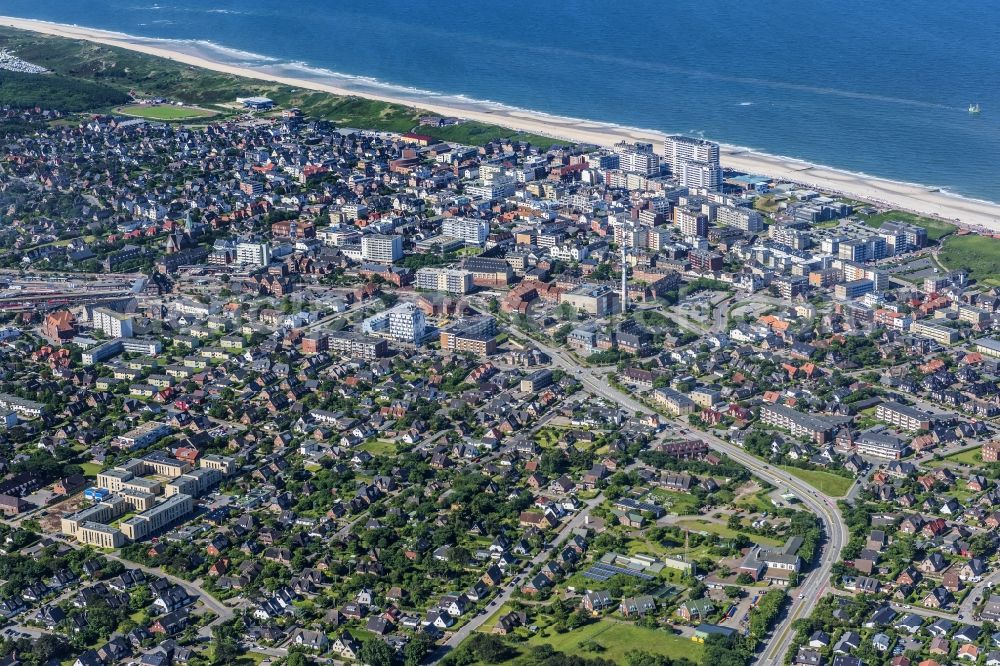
(802, 596)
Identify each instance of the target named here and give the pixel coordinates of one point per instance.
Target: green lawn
(724, 531)
(487, 627)
(90, 470)
(617, 638)
(760, 502)
(380, 447)
(164, 112)
(968, 457)
(936, 229)
(825, 482)
(682, 504)
(980, 255)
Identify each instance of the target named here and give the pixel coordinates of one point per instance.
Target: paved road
(224, 613)
(982, 590)
(507, 590)
(812, 588)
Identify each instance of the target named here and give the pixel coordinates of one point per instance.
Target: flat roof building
(163, 514)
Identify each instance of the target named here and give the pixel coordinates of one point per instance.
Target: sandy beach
(978, 215)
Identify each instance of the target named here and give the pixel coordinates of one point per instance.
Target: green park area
(980, 255)
(827, 483)
(609, 639)
(164, 112)
(936, 229)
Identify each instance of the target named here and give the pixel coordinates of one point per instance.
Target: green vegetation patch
(52, 91)
(380, 447)
(698, 525)
(90, 470)
(936, 229)
(609, 639)
(980, 255)
(827, 483)
(164, 112)
(95, 78)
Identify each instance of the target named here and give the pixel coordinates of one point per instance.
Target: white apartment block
(470, 230)
(637, 158)
(700, 175)
(404, 322)
(381, 248)
(745, 219)
(499, 188)
(679, 149)
(253, 254)
(113, 324)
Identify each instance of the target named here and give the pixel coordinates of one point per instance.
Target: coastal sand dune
(977, 215)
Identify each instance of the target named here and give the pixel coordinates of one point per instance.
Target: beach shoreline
(972, 214)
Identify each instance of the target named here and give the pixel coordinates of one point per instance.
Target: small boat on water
(974, 108)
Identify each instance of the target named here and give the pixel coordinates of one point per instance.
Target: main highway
(808, 593)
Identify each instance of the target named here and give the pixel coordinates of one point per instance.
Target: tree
(47, 647)
(296, 659)
(417, 649)
(489, 649)
(375, 653)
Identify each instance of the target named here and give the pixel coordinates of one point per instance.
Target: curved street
(835, 530)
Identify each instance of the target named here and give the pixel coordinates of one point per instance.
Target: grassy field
(380, 447)
(936, 229)
(825, 482)
(968, 457)
(682, 504)
(90, 470)
(616, 638)
(696, 525)
(760, 502)
(980, 255)
(164, 112)
(88, 77)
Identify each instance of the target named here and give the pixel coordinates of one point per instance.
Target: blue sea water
(877, 88)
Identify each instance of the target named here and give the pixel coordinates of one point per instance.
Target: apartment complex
(935, 332)
(637, 158)
(113, 324)
(163, 514)
(673, 401)
(404, 322)
(22, 406)
(472, 231)
(449, 280)
(902, 416)
(142, 436)
(798, 423)
(694, 162)
(476, 335)
(253, 254)
(745, 219)
(356, 345)
(381, 248)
